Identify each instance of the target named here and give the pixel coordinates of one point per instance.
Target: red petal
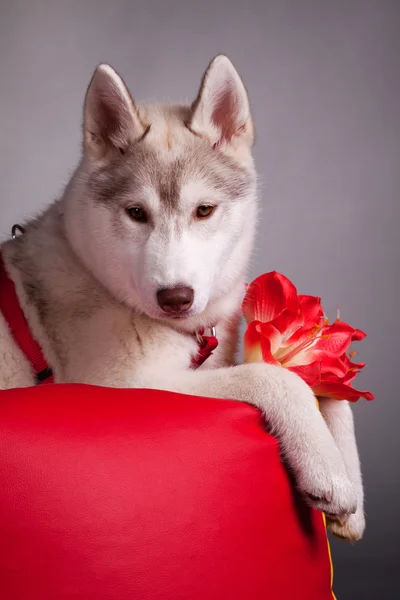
(311, 307)
(353, 369)
(252, 343)
(258, 340)
(358, 335)
(335, 339)
(311, 373)
(340, 391)
(350, 376)
(269, 332)
(312, 314)
(267, 352)
(334, 365)
(353, 365)
(268, 296)
(287, 323)
(338, 370)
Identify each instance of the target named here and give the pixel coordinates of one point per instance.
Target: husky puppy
(150, 245)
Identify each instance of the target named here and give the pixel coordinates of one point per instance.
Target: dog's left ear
(221, 112)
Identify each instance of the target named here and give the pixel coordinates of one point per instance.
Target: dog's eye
(137, 214)
(205, 210)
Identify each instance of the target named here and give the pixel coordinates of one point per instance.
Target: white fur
(99, 273)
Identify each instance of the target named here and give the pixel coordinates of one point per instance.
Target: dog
(147, 248)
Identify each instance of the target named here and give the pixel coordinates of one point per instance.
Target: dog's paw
(349, 527)
(326, 487)
(306, 442)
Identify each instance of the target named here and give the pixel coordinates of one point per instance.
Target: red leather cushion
(137, 494)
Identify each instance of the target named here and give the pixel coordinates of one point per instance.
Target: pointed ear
(111, 120)
(221, 111)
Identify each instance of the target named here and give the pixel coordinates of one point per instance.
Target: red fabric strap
(11, 309)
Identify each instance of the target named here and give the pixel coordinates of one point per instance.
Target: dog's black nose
(175, 300)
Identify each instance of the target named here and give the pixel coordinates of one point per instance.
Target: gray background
(323, 78)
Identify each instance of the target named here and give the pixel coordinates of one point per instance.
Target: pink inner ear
(108, 120)
(225, 113)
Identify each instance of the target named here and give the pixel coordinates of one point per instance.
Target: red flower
(290, 330)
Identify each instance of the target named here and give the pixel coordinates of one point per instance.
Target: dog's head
(162, 209)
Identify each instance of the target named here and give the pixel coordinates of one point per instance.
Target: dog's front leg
(339, 418)
(290, 410)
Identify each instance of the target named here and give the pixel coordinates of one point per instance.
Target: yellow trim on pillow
(327, 540)
(330, 556)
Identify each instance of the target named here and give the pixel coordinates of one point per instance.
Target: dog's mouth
(161, 315)
(179, 316)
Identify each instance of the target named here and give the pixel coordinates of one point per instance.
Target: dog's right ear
(111, 120)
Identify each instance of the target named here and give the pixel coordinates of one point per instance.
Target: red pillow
(139, 494)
